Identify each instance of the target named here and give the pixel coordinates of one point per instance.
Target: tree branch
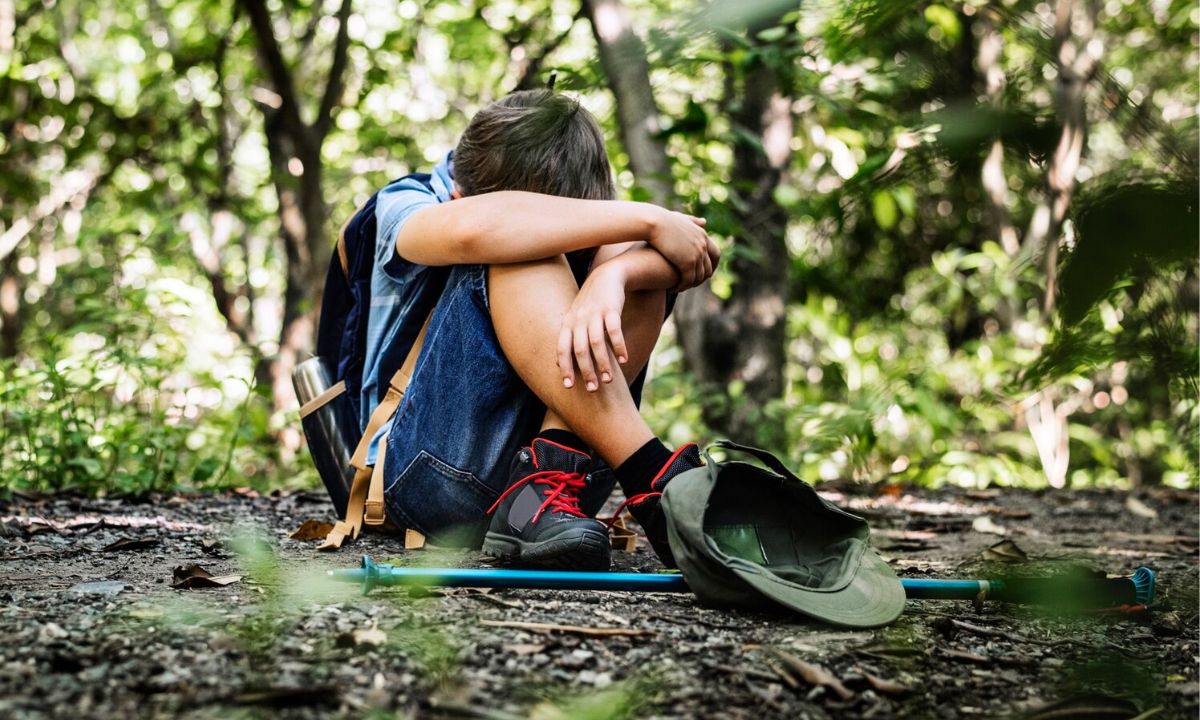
(995, 183)
(623, 56)
(277, 70)
(65, 189)
(335, 85)
(532, 66)
(1076, 60)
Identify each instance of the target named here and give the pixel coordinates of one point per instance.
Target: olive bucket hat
(752, 537)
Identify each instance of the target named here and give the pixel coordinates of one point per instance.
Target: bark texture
(738, 343)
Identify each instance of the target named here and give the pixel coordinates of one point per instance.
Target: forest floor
(93, 626)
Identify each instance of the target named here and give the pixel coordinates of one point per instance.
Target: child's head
(537, 141)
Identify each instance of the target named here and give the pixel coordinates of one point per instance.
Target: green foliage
(1134, 232)
(133, 143)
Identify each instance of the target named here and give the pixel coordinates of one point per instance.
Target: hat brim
(873, 597)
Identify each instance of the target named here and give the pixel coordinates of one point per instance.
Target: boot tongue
(549, 455)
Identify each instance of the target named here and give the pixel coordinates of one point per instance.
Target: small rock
(101, 587)
(51, 632)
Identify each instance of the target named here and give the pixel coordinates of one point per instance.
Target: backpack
(331, 407)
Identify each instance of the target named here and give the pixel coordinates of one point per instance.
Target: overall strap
(366, 505)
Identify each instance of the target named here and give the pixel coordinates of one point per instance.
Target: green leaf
(1134, 225)
(883, 206)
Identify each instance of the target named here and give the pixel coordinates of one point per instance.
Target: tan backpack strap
(391, 400)
(373, 513)
(352, 524)
(341, 242)
(366, 503)
(322, 400)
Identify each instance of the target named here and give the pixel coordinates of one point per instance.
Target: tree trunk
(623, 57)
(10, 307)
(294, 148)
(1076, 60)
(992, 177)
(738, 342)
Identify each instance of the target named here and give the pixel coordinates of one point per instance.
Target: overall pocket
(447, 505)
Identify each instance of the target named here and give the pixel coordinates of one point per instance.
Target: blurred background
(960, 237)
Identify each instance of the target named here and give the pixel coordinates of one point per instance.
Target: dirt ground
(92, 626)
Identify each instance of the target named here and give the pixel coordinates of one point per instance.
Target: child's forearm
(643, 268)
(512, 226)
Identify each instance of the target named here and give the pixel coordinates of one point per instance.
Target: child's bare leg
(641, 324)
(528, 301)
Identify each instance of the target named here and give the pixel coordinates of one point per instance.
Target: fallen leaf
(964, 655)
(812, 674)
(369, 636)
(888, 651)
(524, 648)
(311, 530)
(985, 524)
(981, 495)
(194, 576)
(1005, 551)
(573, 629)
(1153, 539)
(887, 687)
(1139, 508)
(130, 544)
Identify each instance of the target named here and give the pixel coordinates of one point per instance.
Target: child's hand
(681, 239)
(590, 324)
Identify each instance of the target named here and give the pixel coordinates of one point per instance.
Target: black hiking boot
(537, 520)
(647, 507)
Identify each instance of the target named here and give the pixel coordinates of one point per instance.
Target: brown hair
(538, 141)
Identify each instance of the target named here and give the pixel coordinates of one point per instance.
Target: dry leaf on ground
(311, 530)
(1139, 508)
(572, 629)
(130, 544)
(985, 524)
(369, 636)
(812, 674)
(187, 577)
(1005, 551)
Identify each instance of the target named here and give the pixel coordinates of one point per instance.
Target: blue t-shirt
(397, 285)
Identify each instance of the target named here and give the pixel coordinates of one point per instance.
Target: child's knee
(646, 306)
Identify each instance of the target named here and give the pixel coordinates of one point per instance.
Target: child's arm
(594, 318)
(512, 226)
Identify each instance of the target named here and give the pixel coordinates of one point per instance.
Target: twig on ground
(574, 629)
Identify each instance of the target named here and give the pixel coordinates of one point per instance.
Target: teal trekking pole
(1082, 592)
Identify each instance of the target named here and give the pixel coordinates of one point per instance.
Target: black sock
(565, 437)
(640, 468)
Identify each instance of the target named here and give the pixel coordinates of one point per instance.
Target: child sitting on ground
(549, 296)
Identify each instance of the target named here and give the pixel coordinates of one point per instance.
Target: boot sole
(586, 551)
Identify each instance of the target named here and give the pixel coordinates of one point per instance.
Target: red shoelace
(561, 490)
(630, 502)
